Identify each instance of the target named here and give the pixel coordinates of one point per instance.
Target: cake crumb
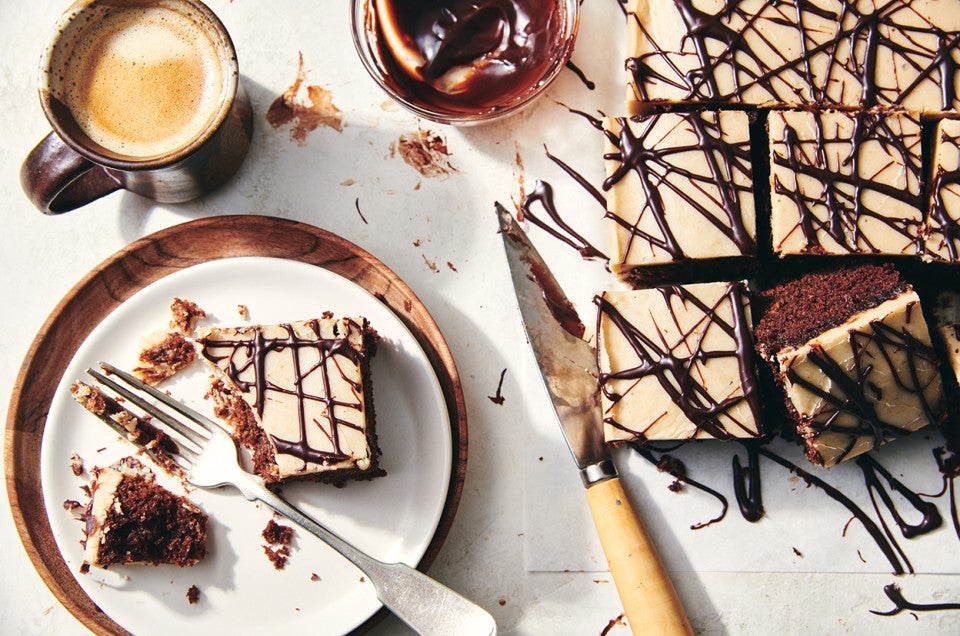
(798, 553)
(184, 315)
(314, 577)
(72, 504)
(84, 568)
(76, 464)
(502, 601)
(243, 311)
(277, 534)
(193, 594)
(613, 623)
(164, 358)
(363, 579)
(278, 557)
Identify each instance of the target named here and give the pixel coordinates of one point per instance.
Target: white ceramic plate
(393, 518)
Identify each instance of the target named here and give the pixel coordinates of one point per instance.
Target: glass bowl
(498, 99)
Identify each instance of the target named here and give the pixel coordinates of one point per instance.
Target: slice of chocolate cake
(676, 363)
(298, 395)
(845, 183)
(851, 350)
(679, 194)
(942, 228)
(830, 53)
(133, 519)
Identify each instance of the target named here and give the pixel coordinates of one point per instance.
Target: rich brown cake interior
(149, 524)
(796, 311)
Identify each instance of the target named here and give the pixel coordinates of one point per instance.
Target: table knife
(568, 365)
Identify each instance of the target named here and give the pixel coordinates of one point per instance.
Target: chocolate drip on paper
(941, 228)
(872, 471)
(676, 373)
(746, 484)
(841, 195)
(660, 166)
(543, 194)
(948, 463)
(676, 468)
(329, 349)
(853, 393)
(901, 604)
(734, 45)
(885, 543)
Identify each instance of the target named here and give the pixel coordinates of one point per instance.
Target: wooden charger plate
(136, 266)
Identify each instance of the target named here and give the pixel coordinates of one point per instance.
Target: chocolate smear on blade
(306, 112)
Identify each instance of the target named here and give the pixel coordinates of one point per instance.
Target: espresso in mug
(142, 80)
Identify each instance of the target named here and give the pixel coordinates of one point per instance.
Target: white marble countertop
(439, 234)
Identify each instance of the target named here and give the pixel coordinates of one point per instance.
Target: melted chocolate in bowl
(466, 59)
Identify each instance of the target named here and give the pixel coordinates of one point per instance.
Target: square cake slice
(942, 228)
(299, 396)
(679, 191)
(845, 183)
(676, 363)
(830, 53)
(851, 350)
(133, 519)
(703, 51)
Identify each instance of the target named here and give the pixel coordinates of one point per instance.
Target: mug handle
(57, 179)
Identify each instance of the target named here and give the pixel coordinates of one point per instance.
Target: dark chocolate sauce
(872, 470)
(676, 469)
(253, 361)
(581, 75)
(722, 45)
(461, 56)
(675, 368)
(543, 194)
(746, 484)
(660, 167)
(842, 197)
(901, 604)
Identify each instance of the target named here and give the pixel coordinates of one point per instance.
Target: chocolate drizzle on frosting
(837, 183)
(849, 397)
(798, 52)
(247, 357)
(676, 366)
(943, 228)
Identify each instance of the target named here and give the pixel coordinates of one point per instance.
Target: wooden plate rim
(143, 262)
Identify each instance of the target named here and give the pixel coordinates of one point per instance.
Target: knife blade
(568, 366)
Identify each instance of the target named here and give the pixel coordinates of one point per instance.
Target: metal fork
(423, 603)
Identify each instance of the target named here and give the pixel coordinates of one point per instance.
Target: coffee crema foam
(143, 82)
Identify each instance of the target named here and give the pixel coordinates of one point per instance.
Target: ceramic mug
(142, 95)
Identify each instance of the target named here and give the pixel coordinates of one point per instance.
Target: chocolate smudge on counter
(432, 265)
(613, 623)
(356, 204)
(309, 111)
(497, 398)
(581, 75)
(426, 152)
(518, 176)
(452, 267)
(901, 604)
(798, 553)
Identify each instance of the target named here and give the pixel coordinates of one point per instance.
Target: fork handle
(424, 604)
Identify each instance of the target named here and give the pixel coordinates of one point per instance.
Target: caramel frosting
(679, 186)
(676, 363)
(845, 183)
(942, 228)
(865, 382)
(304, 383)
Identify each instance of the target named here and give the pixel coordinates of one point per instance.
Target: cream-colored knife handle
(649, 600)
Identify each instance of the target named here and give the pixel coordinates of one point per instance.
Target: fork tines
(176, 446)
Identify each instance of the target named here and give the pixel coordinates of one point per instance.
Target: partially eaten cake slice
(133, 519)
(298, 395)
(851, 349)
